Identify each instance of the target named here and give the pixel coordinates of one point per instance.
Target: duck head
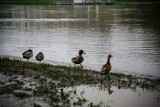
(29, 50)
(40, 53)
(81, 52)
(109, 56)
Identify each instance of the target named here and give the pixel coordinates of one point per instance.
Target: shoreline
(29, 80)
(54, 3)
(88, 68)
(22, 64)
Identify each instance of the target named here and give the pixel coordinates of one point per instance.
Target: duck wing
(27, 54)
(40, 57)
(106, 68)
(77, 60)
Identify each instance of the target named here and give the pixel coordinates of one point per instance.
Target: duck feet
(82, 66)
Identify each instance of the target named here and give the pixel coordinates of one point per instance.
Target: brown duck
(106, 67)
(40, 56)
(78, 59)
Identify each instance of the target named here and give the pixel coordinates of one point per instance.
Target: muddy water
(129, 32)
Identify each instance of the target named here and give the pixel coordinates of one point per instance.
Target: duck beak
(84, 53)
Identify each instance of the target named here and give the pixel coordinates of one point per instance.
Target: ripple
(39, 20)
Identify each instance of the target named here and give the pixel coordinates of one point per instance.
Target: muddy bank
(43, 85)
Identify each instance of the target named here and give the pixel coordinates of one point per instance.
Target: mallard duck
(78, 59)
(107, 67)
(27, 54)
(40, 56)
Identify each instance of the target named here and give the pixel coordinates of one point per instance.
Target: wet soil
(42, 85)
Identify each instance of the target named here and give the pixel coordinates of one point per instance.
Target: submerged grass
(21, 95)
(8, 89)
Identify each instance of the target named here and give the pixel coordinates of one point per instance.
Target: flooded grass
(59, 85)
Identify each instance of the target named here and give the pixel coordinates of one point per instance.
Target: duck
(78, 59)
(27, 54)
(39, 56)
(106, 67)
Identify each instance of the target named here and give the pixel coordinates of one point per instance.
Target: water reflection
(127, 32)
(114, 97)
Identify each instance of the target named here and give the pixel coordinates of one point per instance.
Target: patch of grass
(9, 89)
(18, 66)
(51, 80)
(69, 76)
(80, 102)
(5, 90)
(21, 95)
(37, 105)
(27, 89)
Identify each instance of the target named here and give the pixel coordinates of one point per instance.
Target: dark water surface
(130, 32)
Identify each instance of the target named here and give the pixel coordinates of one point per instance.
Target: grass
(70, 76)
(50, 80)
(8, 89)
(21, 95)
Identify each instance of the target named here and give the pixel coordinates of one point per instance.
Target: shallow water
(129, 32)
(104, 95)
(12, 101)
(9, 100)
(114, 97)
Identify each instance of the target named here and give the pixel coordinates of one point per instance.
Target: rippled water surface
(130, 32)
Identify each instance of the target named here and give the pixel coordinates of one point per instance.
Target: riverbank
(45, 83)
(70, 2)
(27, 2)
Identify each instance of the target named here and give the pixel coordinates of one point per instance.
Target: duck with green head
(78, 59)
(27, 54)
